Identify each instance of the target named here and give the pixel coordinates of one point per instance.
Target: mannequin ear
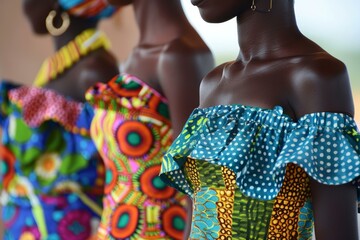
(56, 6)
(58, 20)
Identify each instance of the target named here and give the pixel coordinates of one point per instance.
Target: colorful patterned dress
(51, 176)
(247, 169)
(131, 129)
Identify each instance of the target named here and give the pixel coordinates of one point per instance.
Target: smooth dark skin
(170, 57)
(277, 65)
(98, 66)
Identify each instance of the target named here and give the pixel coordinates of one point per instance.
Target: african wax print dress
(247, 169)
(131, 129)
(51, 176)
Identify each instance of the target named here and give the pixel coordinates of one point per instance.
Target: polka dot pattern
(38, 106)
(257, 144)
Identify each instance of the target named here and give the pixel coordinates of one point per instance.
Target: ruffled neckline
(257, 144)
(129, 92)
(38, 105)
(275, 116)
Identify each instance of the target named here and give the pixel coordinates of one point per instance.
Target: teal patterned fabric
(257, 144)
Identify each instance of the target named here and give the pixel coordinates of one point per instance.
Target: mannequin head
(86, 11)
(36, 12)
(120, 3)
(216, 11)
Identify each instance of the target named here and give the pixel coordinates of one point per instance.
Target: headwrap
(95, 9)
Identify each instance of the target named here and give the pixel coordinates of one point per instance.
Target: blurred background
(334, 25)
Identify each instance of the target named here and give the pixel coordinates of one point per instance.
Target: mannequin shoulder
(183, 50)
(99, 67)
(184, 62)
(186, 45)
(322, 65)
(319, 71)
(321, 83)
(101, 64)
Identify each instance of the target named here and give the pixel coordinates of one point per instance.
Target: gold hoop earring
(54, 31)
(253, 7)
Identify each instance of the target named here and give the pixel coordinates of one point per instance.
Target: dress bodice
(254, 159)
(131, 129)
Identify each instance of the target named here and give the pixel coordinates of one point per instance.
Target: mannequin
(164, 45)
(87, 71)
(140, 111)
(279, 75)
(52, 182)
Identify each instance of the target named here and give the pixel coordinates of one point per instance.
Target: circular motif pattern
(153, 186)
(124, 221)
(111, 177)
(173, 220)
(125, 89)
(47, 166)
(134, 138)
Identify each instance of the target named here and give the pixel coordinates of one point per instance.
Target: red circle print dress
(131, 129)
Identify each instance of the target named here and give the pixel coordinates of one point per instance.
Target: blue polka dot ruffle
(257, 144)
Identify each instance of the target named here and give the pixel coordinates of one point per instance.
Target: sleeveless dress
(247, 169)
(51, 176)
(131, 129)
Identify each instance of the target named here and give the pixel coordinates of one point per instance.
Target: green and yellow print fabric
(257, 163)
(221, 211)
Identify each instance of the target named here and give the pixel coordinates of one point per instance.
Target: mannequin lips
(196, 2)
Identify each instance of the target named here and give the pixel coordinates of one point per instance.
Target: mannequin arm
(335, 211)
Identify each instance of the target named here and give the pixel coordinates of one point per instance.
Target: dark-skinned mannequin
(171, 59)
(87, 71)
(166, 43)
(278, 66)
(53, 177)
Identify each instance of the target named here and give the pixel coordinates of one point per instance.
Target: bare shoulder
(184, 61)
(100, 67)
(211, 81)
(321, 83)
(181, 66)
(214, 76)
(324, 66)
(185, 45)
(187, 51)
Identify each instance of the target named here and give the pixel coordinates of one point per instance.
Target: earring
(54, 31)
(253, 7)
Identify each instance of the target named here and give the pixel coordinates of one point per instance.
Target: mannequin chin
(120, 2)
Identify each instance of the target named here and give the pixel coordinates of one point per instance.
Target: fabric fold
(37, 105)
(257, 144)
